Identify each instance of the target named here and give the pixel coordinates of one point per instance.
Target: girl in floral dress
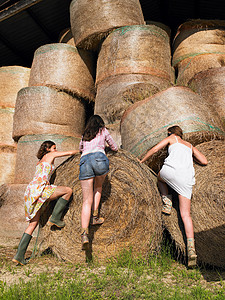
(39, 191)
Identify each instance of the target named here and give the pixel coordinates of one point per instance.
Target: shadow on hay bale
(130, 203)
(207, 208)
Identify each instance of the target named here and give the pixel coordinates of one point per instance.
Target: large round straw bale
(207, 208)
(12, 217)
(161, 25)
(198, 46)
(144, 123)
(28, 147)
(64, 67)
(116, 93)
(66, 37)
(91, 20)
(210, 84)
(114, 130)
(12, 79)
(43, 109)
(131, 206)
(135, 50)
(7, 163)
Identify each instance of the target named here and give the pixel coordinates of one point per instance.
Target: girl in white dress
(40, 191)
(178, 172)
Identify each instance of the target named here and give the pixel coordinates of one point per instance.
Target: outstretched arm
(156, 148)
(199, 157)
(49, 157)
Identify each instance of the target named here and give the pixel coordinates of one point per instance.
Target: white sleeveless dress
(178, 170)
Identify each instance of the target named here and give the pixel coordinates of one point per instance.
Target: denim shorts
(93, 164)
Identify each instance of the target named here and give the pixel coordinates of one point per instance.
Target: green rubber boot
(24, 242)
(57, 213)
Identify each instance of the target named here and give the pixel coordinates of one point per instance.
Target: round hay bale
(198, 46)
(116, 93)
(91, 21)
(7, 163)
(130, 203)
(12, 79)
(43, 109)
(207, 208)
(144, 123)
(210, 84)
(28, 147)
(66, 37)
(64, 67)
(161, 25)
(12, 217)
(114, 130)
(135, 50)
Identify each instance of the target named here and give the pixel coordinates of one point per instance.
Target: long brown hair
(94, 124)
(176, 130)
(44, 149)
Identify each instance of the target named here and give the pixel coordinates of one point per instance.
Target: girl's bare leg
(87, 191)
(185, 212)
(61, 191)
(98, 182)
(162, 186)
(33, 223)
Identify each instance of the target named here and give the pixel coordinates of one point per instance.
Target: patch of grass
(125, 276)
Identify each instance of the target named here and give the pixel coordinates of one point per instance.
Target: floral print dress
(38, 190)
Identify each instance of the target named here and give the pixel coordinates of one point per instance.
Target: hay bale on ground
(144, 123)
(28, 147)
(43, 110)
(91, 21)
(198, 46)
(207, 208)
(116, 93)
(130, 203)
(12, 216)
(64, 67)
(210, 84)
(135, 50)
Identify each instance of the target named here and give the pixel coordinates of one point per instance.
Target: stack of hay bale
(53, 106)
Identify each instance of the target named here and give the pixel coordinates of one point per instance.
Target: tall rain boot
(57, 213)
(24, 242)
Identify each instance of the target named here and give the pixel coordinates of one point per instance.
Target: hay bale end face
(173, 106)
(7, 163)
(91, 21)
(64, 67)
(207, 208)
(130, 203)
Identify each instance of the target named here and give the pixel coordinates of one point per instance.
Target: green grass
(123, 277)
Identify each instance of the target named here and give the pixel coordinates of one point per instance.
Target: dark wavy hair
(176, 130)
(94, 124)
(44, 149)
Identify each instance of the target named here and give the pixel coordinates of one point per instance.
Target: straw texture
(207, 208)
(144, 123)
(28, 147)
(42, 110)
(64, 67)
(12, 217)
(12, 79)
(130, 204)
(135, 50)
(115, 94)
(91, 20)
(198, 46)
(210, 84)
(7, 163)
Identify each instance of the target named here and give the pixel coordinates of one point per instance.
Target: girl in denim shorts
(94, 166)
